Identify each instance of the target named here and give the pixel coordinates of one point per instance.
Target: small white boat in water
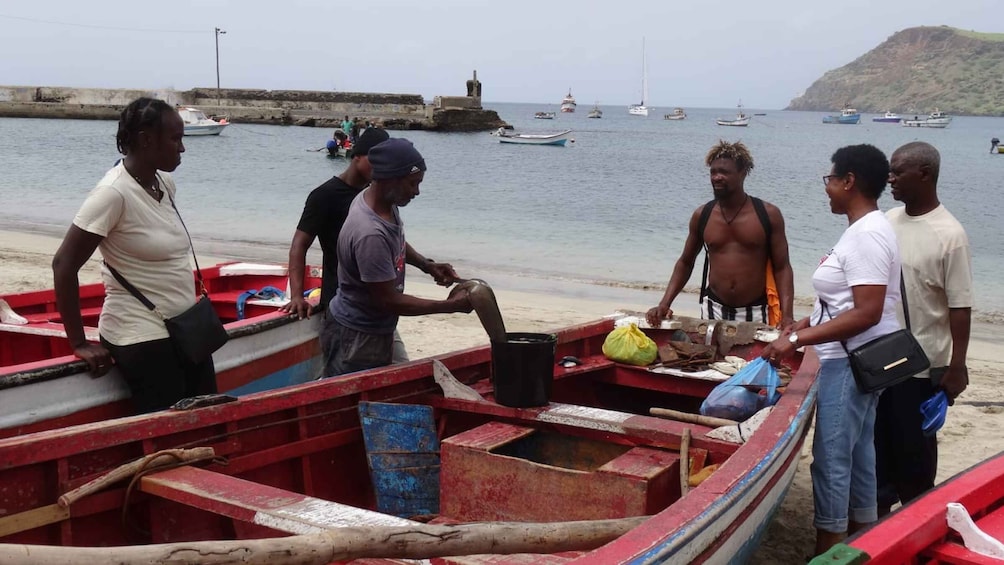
(741, 119)
(678, 114)
(937, 119)
(595, 113)
(641, 109)
(535, 138)
(197, 123)
(544, 116)
(568, 103)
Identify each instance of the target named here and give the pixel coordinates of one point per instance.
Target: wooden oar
(344, 544)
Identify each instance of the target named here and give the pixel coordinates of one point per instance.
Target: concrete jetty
(277, 107)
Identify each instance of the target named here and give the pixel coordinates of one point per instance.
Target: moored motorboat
(922, 531)
(741, 119)
(595, 113)
(43, 386)
(678, 114)
(197, 123)
(378, 447)
(888, 118)
(568, 103)
(937, 119)
(535, 138)
(847, 116)
(544, 116)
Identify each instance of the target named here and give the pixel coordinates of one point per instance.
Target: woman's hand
(778, 349)
(96, 356)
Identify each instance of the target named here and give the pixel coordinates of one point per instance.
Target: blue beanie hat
(395, 158)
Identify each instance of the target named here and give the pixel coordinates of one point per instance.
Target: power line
(90, 26)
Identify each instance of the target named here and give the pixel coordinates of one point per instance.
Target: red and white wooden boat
(919, 532)
(43, 386)
(310, 457)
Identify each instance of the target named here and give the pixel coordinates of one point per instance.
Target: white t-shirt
(867, 254)
(938, 272)
(145, 242)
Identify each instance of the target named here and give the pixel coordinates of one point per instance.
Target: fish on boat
(43, 386)
(388, 448)
(922, 531)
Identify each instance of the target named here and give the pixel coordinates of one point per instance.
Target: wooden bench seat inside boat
(258, 504)
(505, 472)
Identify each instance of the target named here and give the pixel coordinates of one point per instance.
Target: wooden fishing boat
(536, 138)
(920, 533)
(43, 386)
(386, 448)
(741, 120)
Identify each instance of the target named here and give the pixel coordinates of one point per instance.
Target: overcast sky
(700, 53)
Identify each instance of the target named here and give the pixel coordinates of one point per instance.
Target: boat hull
(638, 110)
(938, 123)
(741, 122)
(266, 350)
(212, 129)
(919, 532)
(675, 117)
(845, 120)
(308, 439)
(534, 139)
(887, 120)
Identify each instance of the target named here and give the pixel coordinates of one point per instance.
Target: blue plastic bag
(733, 399)
(934, 410)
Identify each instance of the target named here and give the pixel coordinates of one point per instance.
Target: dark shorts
(347, 350)
(712, 308)
(157, 376)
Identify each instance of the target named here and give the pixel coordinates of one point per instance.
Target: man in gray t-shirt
(372, 252)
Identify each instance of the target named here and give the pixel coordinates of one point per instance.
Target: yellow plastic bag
(627, 344)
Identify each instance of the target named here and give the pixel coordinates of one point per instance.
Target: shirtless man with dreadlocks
(745, 248)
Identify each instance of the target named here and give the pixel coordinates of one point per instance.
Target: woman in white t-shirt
(857, 289)
(130, 216)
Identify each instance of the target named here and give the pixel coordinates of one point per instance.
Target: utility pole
(219, 32)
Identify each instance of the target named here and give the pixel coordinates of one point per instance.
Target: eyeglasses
(826, 178)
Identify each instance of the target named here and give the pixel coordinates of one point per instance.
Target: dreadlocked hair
(737, 152)
(141, 114)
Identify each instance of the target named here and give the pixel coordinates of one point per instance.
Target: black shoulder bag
(888, 360)
(197, 332)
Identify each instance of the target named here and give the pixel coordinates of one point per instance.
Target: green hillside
(916, 70)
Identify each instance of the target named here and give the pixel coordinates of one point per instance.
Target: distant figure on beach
(347, 127)
(372, 252)
(993, 144)
(857, 299)
(746, 250)
(323, 215)
(353, 130)
(131, 217)
(938, 276)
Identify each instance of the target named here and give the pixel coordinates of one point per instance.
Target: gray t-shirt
(370, 250)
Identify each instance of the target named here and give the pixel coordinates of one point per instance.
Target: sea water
(607, 212)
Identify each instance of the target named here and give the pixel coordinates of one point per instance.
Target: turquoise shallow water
(608, 211)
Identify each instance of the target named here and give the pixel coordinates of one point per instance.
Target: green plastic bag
(627, 344)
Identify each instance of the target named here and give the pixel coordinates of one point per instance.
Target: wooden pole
(129, 469)
(691, 418)
(344, 544)
(685, 462)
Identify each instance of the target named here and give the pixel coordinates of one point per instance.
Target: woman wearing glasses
(857, 292)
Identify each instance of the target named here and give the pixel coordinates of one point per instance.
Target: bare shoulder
(773, 212)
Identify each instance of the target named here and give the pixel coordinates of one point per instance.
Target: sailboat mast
(644, 75)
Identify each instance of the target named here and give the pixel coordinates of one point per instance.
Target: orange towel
(773, 300)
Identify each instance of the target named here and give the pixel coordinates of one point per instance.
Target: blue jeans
(843, 450)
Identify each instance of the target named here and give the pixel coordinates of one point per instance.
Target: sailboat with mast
(641, 109)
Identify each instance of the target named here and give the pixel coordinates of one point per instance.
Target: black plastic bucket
(523, 369)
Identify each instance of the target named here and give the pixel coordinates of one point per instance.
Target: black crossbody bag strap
(135, 291)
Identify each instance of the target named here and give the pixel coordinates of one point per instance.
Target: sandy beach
(972, 432)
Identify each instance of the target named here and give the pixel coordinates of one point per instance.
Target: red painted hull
(918, 532)
(307, 439)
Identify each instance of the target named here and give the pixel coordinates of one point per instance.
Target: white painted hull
(638, 110)
(536, 139)
(212, 129)
(938, 123)
(278, 336)
(742, 122)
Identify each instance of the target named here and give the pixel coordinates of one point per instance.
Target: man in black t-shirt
(323, 216)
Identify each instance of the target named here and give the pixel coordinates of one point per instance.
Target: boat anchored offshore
(197, 123)
(888, 118)
(534, 138)
(937, 119)
(848, 116)
(568, 103)
(641, 109)
(741, 119)
(678, 114)
(544, 116)
(595, 113)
